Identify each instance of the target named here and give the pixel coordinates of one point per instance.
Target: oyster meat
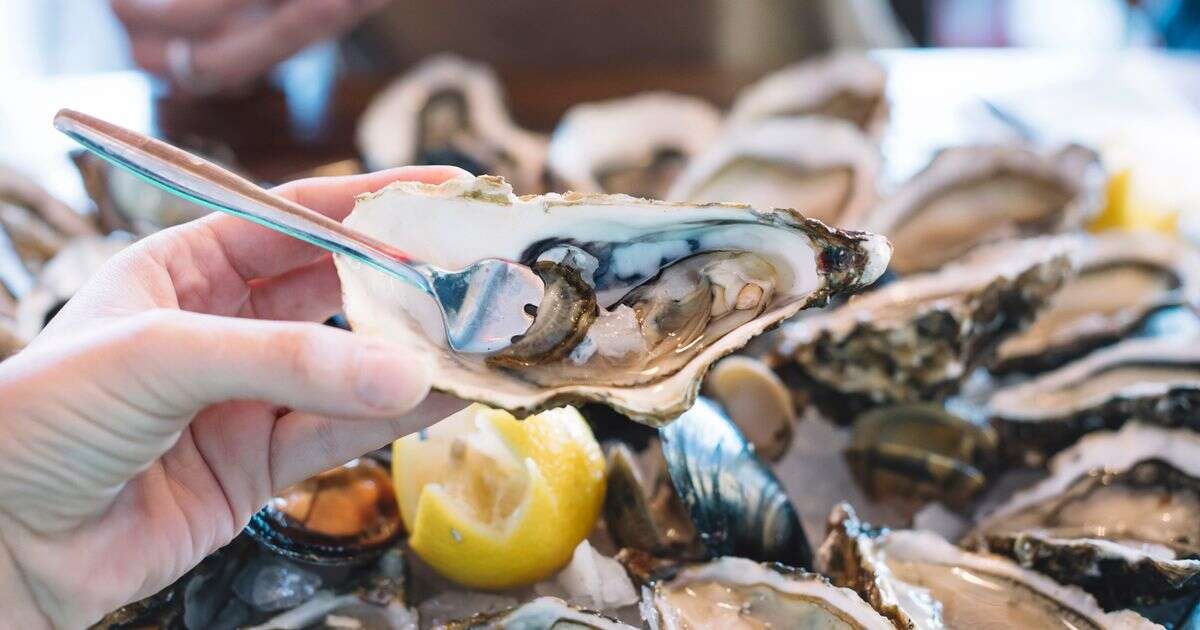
(823, 168)
(676, 286)
(543, 613)
(735, 593)
(1156, 380)
(1121, 279)
(846, 86)
(918, 580)
(448, 110)
(635, 145)
(918, 338)
(1119, 516)
(975, 194)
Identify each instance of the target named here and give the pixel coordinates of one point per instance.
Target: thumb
(190, 360)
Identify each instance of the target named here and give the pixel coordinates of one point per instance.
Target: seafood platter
(764, 389)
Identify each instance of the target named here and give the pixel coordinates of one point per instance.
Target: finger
(258, 252)
(175, 17)
(178, 362)
(304, 444)
(310, 293)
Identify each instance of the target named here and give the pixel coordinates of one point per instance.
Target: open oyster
(1121, 279)
(918, 338)
(677, 287)
(635, 145)
(918, 580)
(1156, 380)
(1119, 516)
(448, 110)
(543, 613)
(823, 168)
(846, 86)
(735, 593)
(975, 194)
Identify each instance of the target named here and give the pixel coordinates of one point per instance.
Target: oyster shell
(757, 401)
(635, 145)
(917, 339)
(975, 194)
(1121, 279)
(918, 580)
(848, 86)
(1119, 516)
(731, 593)
(448, 110)
(543, 613)
(727, 274)
(823, 168)
(1156, 380)
(62, 276)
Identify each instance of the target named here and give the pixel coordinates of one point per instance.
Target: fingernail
(389, 381)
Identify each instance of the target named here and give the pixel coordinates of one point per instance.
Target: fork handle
(200, 181)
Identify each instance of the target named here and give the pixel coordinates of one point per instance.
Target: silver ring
(183, 72)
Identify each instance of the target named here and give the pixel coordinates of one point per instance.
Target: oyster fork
(485, 306)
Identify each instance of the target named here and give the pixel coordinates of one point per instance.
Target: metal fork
(484, 306)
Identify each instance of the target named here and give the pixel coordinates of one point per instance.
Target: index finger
(255, 251)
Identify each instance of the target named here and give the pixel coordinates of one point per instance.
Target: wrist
(17, 595)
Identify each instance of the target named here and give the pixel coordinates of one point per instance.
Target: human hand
(159, 410)
(212, 45)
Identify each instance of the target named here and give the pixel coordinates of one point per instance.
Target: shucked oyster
(636, 145)
(735, 593)
(1154, 380)
(1121, 279)
(823, 168)
(916, 339)
(845, 86)
(1119, 516)
(920, 581)
(727, 274)
(975, 194)
(451, 111)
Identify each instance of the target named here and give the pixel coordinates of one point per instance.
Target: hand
(160, 409)
(231, 42)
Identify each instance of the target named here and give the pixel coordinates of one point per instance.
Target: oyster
(823, 168)
(61, 277)
(1119, 516)
(677, 286)
(731, 593)
(918, 338)
(543, 613)
(918, 580)
(1156, 380)
(846, 86)
(975, 194)
(756, 400)
(448, 110)
(127, 203)
(921, 451)
(641, 507)
(1122, 278)
(635, 145)
(19, 190)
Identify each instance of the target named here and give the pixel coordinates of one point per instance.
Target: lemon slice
(493, 502)
(1126, 210)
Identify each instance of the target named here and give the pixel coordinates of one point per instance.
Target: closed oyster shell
(463, 220)
(918, 580)
(917, 339)
(448, 110)
(635, 145)
(848, 86)
(824, 168)
(1121, 279)
(1156, 380)
(976, 194)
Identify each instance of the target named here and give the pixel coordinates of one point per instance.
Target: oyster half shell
(917, 339)
(1119, 516)
(677, 286)
(636, 145)
(919, 581)
(824, 168)
(1121, 279)
(1156, 380)
(975, 194)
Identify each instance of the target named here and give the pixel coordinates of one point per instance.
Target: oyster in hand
(676, 287)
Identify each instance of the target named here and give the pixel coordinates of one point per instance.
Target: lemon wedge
(493, 502)
(1126, 210)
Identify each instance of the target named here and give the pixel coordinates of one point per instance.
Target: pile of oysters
(782, 344)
